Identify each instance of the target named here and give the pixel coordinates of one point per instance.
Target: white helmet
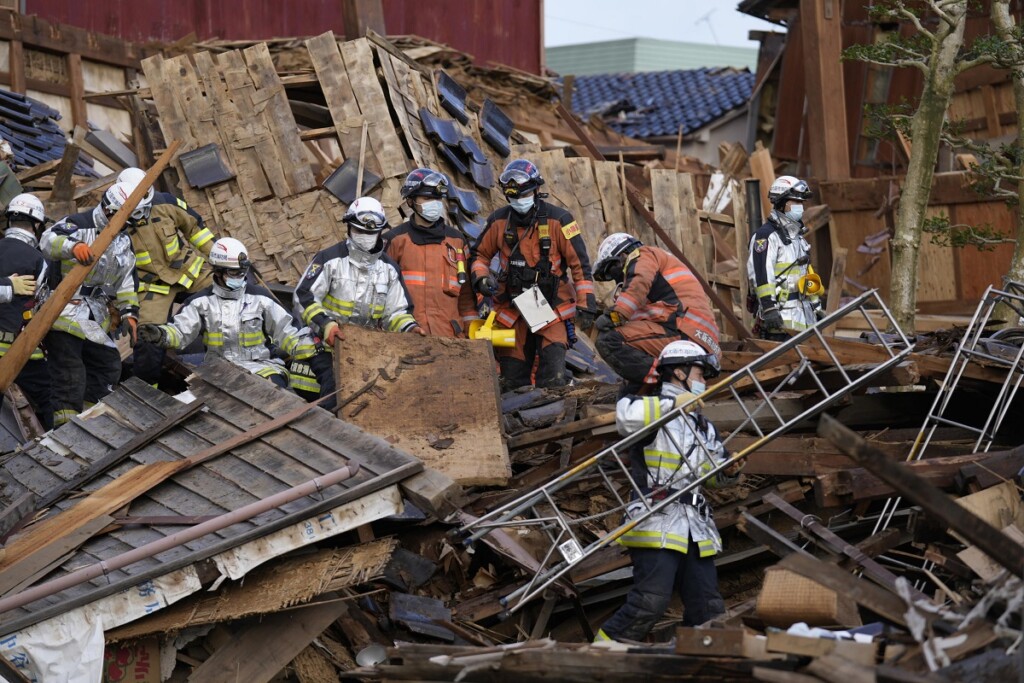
(787, 187)
(366, 213)
(133, 176)
(612, 247)
(227, 252)
(686, 352)
(26, 206)
(116, 196)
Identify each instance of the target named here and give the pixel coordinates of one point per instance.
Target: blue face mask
(697, 388)
(522, 205)
(796, 212)
(234, 283)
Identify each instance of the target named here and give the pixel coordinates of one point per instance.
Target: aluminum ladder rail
(539, 508)
(968, 352)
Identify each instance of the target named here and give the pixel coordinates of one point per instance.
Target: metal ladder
(971, 350)
(539, 508)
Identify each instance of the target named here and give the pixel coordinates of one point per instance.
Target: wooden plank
(261, 649)
(690, 227)
(35, 31)
(420, 405)
(273, 104)
(935, 503)
(12, 515)
(741, 233)
(763, 169)
(334, 81)
(836, 280)
(384, 142)
(45, 559)
(665, 191)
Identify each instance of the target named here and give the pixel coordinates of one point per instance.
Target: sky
(715, 22)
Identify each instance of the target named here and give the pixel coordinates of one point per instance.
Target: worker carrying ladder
(610, 468)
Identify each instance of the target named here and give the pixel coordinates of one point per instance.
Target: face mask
(796, 212)
(697, 388)
(521, 205)
(364, 240)
(432, 210)
(234, 283)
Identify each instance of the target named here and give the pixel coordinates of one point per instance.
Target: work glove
(486, 285)
(151, 334)
(686, 397)
(332, 333)
(607, 321)
(585, 318)
(819, 313)
(83, 254)
(419, 330)
(772, 319)
(23, 285)
(128, 327)
(734, 469)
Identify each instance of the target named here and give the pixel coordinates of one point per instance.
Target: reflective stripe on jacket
(352, 286)
(672, 528)
(239, 326)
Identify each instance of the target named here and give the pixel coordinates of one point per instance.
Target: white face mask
(364, 240)
(522, 205)
(234, 283)
(432, 210)
(796, 212)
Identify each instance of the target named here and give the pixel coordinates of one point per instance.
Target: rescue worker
(83, 358)
(673, 550)
(779, 258)
(432, 257)
(538, 245)
(354, 282)
(171, 247)
(658, 301)
(236, 319)
(23, 273)
(133, 176)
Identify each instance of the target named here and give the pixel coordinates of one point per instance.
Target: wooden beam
(16, 55)
(36, 32)
(934, 502)
(836, 280)
(821, 33)
(23, 346)
(358, 16)
(76, 87)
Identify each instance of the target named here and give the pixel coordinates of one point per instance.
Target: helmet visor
(436, 184)
(370, 221)
(513, 181)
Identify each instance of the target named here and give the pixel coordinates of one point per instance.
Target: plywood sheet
(434, 398)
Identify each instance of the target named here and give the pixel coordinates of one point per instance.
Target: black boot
(515, 373)
(551, 369)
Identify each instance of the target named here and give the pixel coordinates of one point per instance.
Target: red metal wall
(506, 31)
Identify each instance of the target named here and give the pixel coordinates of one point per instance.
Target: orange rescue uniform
(430, 260)
(515, 238)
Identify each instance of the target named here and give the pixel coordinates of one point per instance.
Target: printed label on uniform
(182, 204)
(760, 246)
(570, 230)
(313, 269)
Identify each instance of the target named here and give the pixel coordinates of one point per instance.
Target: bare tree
(936, 48)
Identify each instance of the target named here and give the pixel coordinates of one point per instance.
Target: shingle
(31, 129)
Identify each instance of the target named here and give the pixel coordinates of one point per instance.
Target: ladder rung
(952, 423)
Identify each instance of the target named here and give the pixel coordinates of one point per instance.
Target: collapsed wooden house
(111, 525)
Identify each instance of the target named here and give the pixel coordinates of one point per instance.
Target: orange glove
(332, 333)
(83, 254)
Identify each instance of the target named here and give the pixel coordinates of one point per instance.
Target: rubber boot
(515, 373)
(551, 368)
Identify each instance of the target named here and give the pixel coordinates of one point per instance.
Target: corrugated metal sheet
(504, 32)
(633, 55)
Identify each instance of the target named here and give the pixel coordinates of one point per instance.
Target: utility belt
(694, 500)
(521, 277)
(89, 292)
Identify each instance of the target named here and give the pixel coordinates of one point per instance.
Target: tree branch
(971, 63)
(916, 21)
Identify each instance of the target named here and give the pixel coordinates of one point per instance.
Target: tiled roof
(31, 129)
(644, 105)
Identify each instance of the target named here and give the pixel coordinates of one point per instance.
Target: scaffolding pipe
(121, 561)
